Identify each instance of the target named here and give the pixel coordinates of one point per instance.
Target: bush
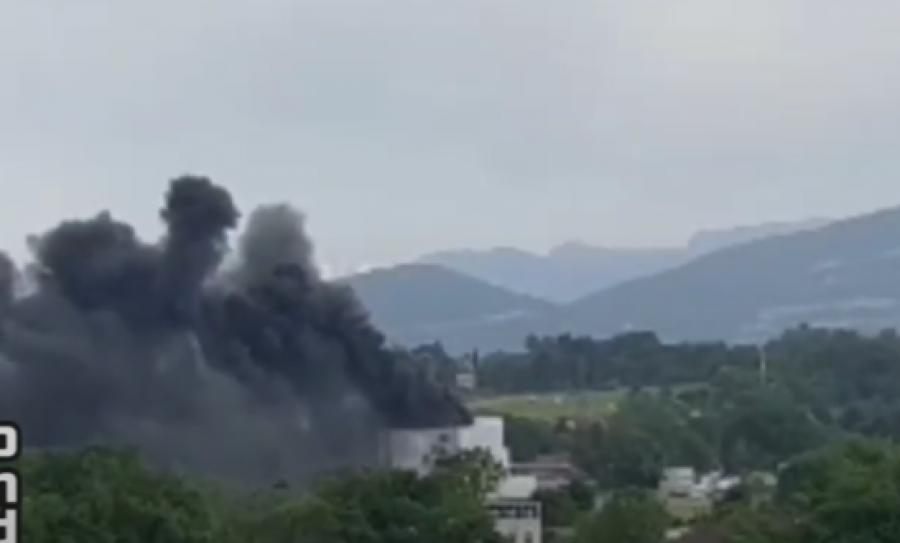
(108, 496)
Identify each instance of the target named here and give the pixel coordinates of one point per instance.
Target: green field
(551, 407)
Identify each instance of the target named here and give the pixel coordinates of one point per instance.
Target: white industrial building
(518, 516)
(684, 482)
(517, 519)
(678, 482)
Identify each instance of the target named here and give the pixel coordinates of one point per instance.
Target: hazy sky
(403, 126)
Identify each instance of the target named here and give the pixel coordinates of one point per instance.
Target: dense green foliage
(562, 507)
(629, 516)
(823, 417)
(99, 496)
(707, 405)
(847, 493)
(753, 429)
(103, 497)
(818, 365)
(803, 400)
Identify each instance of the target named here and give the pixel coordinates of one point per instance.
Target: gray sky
(403, 126)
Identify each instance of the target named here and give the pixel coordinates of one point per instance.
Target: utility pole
(763, 363)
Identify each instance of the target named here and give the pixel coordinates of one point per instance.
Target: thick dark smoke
(254, 369)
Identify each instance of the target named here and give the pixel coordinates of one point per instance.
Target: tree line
(835, 378)
(820, 364)
(712, 406)
(846, 492)
(101, 495)
(823, 416)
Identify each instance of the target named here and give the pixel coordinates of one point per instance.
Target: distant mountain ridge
(414, 303)
(706, 241)
(843, 274)
(572, 270)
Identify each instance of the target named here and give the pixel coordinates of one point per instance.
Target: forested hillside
(573, 270)
(415, 303)
(841, 275)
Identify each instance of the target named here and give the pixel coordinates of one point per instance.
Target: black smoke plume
(254, 368)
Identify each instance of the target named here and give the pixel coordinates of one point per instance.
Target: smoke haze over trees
(256, 368)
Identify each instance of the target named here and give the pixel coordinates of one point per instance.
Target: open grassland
(552, 407)
(592, 405)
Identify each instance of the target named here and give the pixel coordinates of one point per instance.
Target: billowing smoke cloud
(253, 369)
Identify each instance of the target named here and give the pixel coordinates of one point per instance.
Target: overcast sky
(404, 126)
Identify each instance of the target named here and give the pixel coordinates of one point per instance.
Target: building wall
(678, 481)
(417, 449)
(519, 520)
(517, 486)
(487, 433)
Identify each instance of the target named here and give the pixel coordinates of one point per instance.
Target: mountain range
(572, 270)
(425, 301)
(744, 284)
